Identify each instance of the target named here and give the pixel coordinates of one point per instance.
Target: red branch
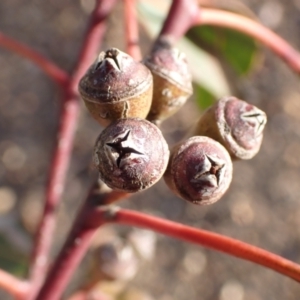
(77, 243)
(132, 30)
(57, 74)
(55, 186)
(12, 285)
(181, 16)
(91, 218)
(205, 238)
(93, 38)
(247, 26)
(58, 279)
(62, 153)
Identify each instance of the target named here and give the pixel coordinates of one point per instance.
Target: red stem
(62, 153)
(91, 218)
(250, 27)
(93, 38)
(55, 186)
(207, 239)
(57, 74)
(210, 240)
(181, 16)
(76, 244)
(12, 285)
(57, 280)
(132, 30)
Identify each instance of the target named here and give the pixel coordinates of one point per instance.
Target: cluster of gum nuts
(132, 98)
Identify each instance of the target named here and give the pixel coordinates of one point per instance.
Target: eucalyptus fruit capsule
(131, 155)
(199, 170)
(172, 81)
(234, 123)
(116, 86)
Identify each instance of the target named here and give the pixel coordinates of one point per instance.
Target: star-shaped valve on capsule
(211, 171)
(124, 147)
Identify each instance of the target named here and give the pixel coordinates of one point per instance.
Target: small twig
(181, 17)
(12, 285)
(62, 153)
(252, 28)
(91, 218)
(77, 243)
(55, 186)
(93, 38)
(204, 238)
(132, 30)
(51, 69)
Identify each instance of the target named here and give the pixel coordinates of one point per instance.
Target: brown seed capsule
(114, 260)
(199, 170)
(116, 86)
(131, 155)
(172, 81)
(236, 124)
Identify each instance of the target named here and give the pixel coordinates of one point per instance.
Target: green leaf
(240, 50)
(11, 259)
(204, 98)
(205, 68)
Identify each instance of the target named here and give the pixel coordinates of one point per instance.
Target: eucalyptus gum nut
(113, 260)
(199, 170)
(116, 86)
(236, 124)
(131, 155)
(168, 98)
(172, 81)
(133, 107)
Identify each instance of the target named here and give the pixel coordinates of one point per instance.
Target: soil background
(262, 206)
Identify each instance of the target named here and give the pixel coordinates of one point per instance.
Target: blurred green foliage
(239, 50)
(11, 259)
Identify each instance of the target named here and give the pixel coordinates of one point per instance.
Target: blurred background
(262, 206)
